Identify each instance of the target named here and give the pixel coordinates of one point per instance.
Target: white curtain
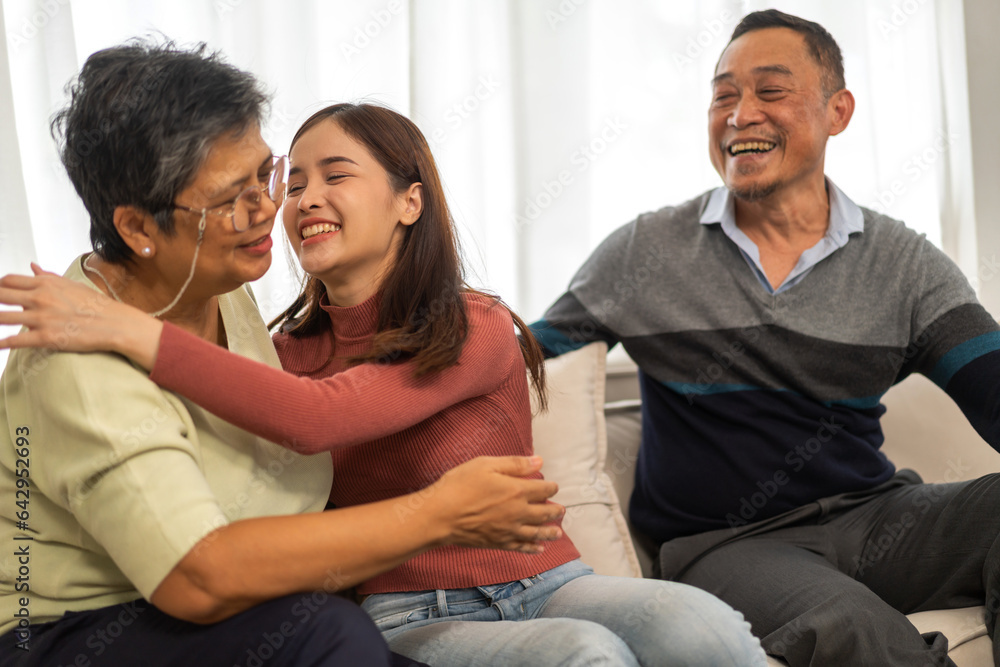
(552, 121)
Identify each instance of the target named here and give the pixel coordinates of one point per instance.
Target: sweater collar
(352, 324)
(846, 217)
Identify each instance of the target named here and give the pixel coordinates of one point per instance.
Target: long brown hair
(422, 316)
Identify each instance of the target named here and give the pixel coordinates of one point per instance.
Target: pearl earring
(147, 251)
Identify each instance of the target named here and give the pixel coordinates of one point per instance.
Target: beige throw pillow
(572, 440)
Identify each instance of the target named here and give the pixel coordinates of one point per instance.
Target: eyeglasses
(246, 205)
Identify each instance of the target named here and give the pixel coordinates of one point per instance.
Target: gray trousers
(829, 584)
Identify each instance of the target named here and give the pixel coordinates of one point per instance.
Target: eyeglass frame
(276, 198)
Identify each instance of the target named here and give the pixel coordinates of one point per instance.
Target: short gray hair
(140, 122)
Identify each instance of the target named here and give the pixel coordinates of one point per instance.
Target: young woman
(139, 528)
(404, 373)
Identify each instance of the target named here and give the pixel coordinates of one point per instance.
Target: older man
(768, 317)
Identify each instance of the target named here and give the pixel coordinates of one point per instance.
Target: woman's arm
(126, 461)
(65, 315)
(481, 503)
(354, 406)
(357, 405)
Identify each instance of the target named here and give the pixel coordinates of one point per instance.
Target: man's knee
(847, 629)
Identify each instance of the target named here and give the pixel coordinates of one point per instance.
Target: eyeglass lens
(248, 203)
(278, 179)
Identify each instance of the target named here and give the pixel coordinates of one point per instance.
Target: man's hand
(486, 503)
(65, 315)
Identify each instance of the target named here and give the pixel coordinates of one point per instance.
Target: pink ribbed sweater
(389, 433)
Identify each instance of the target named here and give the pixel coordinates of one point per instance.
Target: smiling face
(226, 258)
(343, 218)
(769, 121)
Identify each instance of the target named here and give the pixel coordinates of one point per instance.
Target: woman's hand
(61, 314)
(486, 503)
(481, 503)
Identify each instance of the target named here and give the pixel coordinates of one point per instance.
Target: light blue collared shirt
(846, 218)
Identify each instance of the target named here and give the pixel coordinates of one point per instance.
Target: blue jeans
(566, 616)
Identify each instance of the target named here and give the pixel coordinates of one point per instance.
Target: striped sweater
(753, 403)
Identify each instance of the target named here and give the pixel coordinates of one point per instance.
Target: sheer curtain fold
(40, 58)
(552, 121)
(16, 241)
(463, 92)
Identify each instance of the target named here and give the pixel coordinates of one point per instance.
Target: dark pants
(834, 589)
(302, 630)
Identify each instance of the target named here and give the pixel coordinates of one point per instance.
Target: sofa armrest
(624, 427)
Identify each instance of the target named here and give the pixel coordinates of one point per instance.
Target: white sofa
(589, 446)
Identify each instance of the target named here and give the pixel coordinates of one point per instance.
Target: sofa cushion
(570, 437)
(968, 643)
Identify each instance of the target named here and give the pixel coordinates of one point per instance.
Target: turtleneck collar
(353, 326)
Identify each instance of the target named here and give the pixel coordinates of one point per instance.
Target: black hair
(821, 44)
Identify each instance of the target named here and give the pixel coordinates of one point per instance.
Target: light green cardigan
(124, 477)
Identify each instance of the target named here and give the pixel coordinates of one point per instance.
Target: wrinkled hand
(488, 505)
(65, 315)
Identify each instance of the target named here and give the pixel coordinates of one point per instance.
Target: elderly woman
(139, 528)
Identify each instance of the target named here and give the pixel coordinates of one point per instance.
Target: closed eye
(223, 207)
(297, 188)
